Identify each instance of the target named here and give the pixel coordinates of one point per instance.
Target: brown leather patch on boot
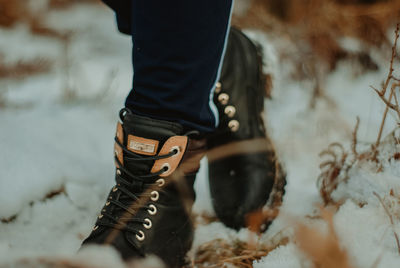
(142, 146)
(171, 163)
(119, 153)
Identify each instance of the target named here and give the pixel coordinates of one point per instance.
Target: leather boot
(244, 172)
(148, 211)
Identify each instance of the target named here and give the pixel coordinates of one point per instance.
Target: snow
(282, 257)
(50, 142)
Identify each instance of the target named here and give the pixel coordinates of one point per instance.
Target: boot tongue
(145, 137)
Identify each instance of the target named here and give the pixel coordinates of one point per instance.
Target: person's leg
(177, 54)
(123, 14)
(178, 48)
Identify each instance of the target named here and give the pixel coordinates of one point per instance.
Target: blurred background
(320, 33)
(65, 72)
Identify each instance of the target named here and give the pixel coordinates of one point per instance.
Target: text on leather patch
(142, 145)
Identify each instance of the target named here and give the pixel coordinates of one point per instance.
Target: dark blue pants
(178, 47)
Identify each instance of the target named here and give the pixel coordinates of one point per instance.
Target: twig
(381, 93)
(245, 257)
(354, 142)
(395, 99)
(391, 220)
(387, 102)
(378, 140)
(394, 53)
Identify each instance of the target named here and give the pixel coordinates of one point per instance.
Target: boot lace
(133, 194)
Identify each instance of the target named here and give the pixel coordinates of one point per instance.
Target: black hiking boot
(244, 173)
(148, 211)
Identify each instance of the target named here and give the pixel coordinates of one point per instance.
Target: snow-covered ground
(49, 142)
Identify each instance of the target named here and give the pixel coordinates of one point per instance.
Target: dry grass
(205, 218)
(62, 4)
(23, 69)
(314, 28)
(321, 22)
(17, 12)
(219, 253)
(11, 12)
(323, 250)
(393, 83)
(335, 169)
(390, 216)
(38, 27)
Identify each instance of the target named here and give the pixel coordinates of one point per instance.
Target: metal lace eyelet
(177, 149)
(223, 98)
(107, 203)
(218, 87)
(123, 112)
(118, 172)
(115, 189)
(230, 111)
(140, 236)
(116, 152)
(154, 195)
(152, 209)
(160, 182)
(147, 223)
(100, 216)
(233, 125)
(95, 228)
(166, 167)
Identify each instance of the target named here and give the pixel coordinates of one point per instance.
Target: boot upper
(148, 210)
